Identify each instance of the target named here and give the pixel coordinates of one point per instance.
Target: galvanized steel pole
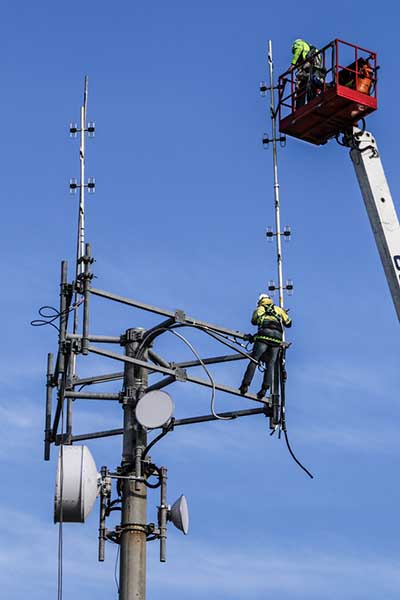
(80, 241)
(276, 181)
(80, 251)
(134, 493)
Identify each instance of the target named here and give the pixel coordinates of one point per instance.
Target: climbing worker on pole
(270, 320)
(307, 61)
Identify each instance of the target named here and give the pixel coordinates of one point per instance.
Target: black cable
(231, 338)
(154, 486)
(293, 456)
(363, 124)
(350, 140)
(48, 319)
(282, 421)
(282, 381)
(112, 506)
(164, 432)
(217, 337)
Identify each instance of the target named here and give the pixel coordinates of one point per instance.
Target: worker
(270, 320)
(310, 75)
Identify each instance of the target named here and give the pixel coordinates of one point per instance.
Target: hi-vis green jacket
(269, 316)
(300, 49)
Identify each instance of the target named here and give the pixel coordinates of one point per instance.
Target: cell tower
(147, 410)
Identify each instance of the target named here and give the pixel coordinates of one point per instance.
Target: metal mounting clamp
(180, 374)
(180, 316)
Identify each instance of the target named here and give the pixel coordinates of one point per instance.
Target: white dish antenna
(77, 484)
(154, 409)
(179, 514)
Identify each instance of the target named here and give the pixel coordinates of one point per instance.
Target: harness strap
(268, 338)
(271, 316)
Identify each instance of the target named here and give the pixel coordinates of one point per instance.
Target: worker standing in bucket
(270, 320)
(310, 73)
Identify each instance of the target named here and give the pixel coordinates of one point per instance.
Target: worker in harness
(310, 74)
(270, 320)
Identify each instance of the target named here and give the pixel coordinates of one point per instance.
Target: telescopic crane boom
(379, 204)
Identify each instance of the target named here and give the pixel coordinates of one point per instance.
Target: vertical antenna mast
(80, 243)
(81, 215)
(276, 182)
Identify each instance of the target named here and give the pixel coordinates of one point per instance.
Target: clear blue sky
(184, 194)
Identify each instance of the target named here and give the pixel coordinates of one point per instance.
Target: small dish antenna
(179, 514)
(154, 409)
(77, 484)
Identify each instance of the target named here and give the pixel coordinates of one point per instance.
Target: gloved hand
(249, 337)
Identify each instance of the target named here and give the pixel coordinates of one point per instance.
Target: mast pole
(81, 217)
(80, 243)
(278, 232)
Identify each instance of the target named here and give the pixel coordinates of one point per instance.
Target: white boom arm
(380, 208)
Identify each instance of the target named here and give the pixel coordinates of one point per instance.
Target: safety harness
(271, 320)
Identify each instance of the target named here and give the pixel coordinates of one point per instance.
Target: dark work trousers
(310, 81)
(267, 352)
(301, 93)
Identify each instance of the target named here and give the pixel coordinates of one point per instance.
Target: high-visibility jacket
(269, 317)
(300, 49)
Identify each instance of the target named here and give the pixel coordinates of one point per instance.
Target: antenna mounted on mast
(83, 129)
(266, 140)
(90, 184)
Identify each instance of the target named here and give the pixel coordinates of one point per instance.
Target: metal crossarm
(173, 372)
(233, 414)
(180, 316)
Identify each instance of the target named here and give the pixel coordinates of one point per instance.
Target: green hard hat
(296, 43)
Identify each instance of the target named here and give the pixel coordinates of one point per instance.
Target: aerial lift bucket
(348, 93)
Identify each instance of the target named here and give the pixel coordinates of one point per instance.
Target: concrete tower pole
(134, 493)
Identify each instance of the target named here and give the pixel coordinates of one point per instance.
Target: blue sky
(184, 195)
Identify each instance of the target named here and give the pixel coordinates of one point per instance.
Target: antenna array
(278, 233)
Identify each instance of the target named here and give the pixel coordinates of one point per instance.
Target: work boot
(262, 393)
(243, 389)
